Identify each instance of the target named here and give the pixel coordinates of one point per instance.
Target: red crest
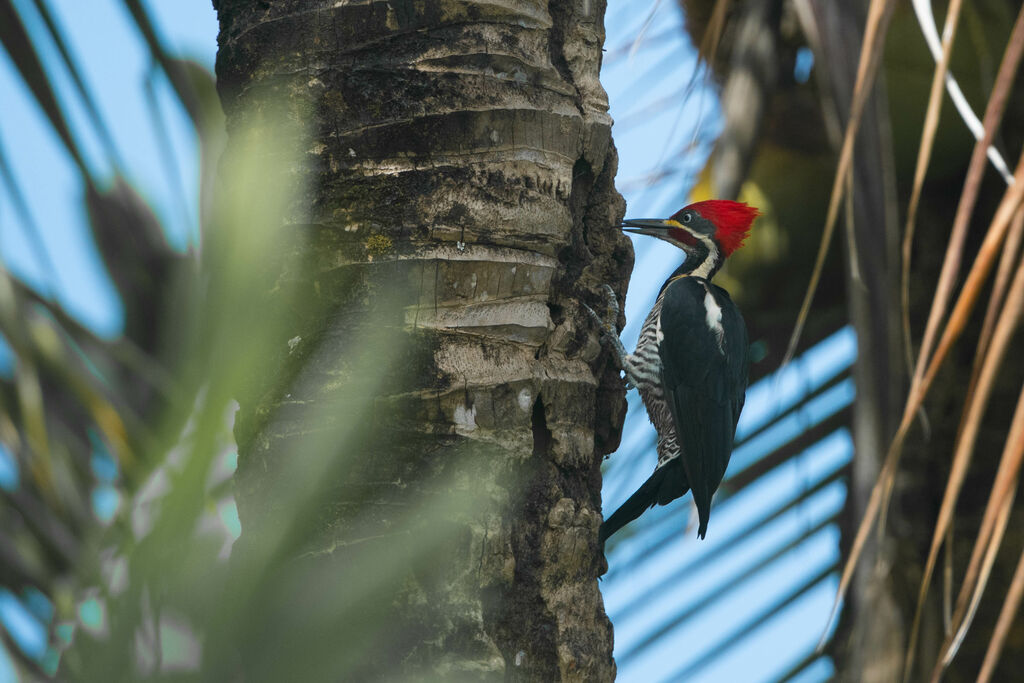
(732, 220)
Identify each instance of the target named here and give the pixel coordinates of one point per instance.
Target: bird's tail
(665, 485)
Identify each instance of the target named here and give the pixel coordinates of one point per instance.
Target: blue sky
(646, 79)
(115, 66)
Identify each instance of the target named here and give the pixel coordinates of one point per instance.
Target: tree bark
(457, 195)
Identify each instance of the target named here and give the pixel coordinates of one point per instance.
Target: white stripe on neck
(705, 268)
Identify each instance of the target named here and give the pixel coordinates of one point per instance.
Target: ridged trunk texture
(460, 168)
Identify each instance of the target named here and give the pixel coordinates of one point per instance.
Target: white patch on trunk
(525, 399)
(464, 418)
(713, 318)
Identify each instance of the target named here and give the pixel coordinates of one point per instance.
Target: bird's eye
(687, 217)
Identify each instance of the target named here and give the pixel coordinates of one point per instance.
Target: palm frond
(1010, 604)
(926, 20)
(879, 15)
(931, 125)
(15, 39)
(957, 322)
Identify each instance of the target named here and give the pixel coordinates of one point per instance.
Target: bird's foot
(609, 335)
(612, 303)
(610, 319)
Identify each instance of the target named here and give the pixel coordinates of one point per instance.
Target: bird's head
(707, 231)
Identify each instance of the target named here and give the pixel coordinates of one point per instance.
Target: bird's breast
(646, 365)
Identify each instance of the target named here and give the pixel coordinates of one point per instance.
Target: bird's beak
(655, 227)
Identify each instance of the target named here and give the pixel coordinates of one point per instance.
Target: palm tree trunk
(461, 168)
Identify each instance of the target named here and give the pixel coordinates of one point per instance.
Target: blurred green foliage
(122, 516)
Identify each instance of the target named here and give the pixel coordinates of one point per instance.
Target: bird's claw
(608, 335)
(611, 317)
(613, 302)
(595, 316)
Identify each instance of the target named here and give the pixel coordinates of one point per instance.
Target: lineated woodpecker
(690, 364)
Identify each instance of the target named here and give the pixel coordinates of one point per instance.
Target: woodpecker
(690, 363)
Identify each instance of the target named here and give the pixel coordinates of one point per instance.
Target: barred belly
(643, 369)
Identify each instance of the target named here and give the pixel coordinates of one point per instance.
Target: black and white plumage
(690, 364)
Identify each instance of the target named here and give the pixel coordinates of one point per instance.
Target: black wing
(705, 375)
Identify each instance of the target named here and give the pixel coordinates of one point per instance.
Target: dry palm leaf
(924, 153)
(957, 322)
(970, 423)
(1013, 597)
(879, 14)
